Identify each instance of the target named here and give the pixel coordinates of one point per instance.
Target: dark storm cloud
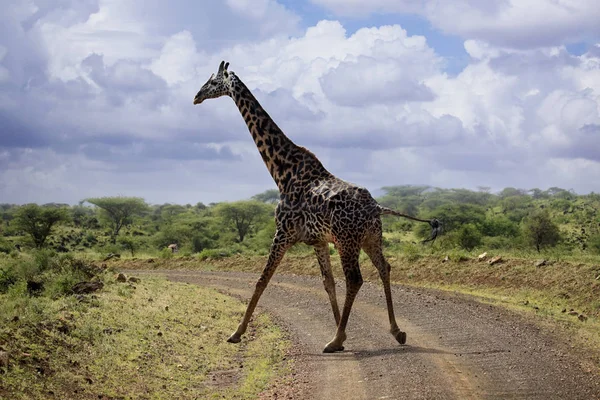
(15, 133)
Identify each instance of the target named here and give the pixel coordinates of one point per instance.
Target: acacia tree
(38, 221)
(243, 216)
(270, 196)
(118, 211)
(540, 230)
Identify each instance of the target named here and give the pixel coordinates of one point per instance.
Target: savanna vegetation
(71, 328)
(555, 222)
(62, 307)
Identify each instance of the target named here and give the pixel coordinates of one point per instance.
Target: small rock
(495, 260)
(150, 260)
(87, 287)
(482, 256)
(166, 308)
(564, 310)
(540, 263)
(121, 278)
(134, 279)
(573, 312)
(15, 318)
(582, 317)
(446, 259)
(159, 333)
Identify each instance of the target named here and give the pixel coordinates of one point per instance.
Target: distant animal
(315, 208)
(173, 248)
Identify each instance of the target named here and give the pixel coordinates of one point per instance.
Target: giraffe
(315, 208)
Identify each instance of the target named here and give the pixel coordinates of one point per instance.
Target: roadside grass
(149, 339)
(563, 292)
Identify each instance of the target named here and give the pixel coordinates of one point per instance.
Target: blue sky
(96, 95)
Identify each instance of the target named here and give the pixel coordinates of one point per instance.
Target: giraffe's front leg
(353, 283)
(280, 245)
(322, 252)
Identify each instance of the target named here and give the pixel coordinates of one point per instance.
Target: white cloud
(111, 112)
(512, 23)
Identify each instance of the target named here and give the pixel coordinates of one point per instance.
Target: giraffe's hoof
(330, 348)
(234, 338)
(400, 337)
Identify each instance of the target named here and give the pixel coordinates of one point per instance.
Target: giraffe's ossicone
(315, 208)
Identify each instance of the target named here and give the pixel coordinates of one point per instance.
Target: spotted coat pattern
(315, 208)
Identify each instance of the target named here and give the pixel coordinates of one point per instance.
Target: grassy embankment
(566, 292)
(144, 339)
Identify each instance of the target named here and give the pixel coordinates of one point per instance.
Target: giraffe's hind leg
(322, 252)
(280, 245)
(349, 255)
(373, 248)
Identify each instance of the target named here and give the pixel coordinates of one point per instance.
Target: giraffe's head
(216, 86)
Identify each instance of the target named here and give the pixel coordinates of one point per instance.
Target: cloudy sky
(96, 95)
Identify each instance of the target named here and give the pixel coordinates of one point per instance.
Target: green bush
(498, 242)
(499, 225)
(165, 254)
(540, 230)
(6, 246)
(201, 242)
(8, 277)
(57, 272)
(412, 252)
(593, 244)
(469, 237)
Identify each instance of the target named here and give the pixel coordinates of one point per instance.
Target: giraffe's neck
(287, 163)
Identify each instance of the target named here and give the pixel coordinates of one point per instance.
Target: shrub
(411, 252)
(8, 278)
(5, 246)
(593, 244)
(540, 231)
(165, 253)
(469, 237)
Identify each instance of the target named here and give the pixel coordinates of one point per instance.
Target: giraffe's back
(328, 210)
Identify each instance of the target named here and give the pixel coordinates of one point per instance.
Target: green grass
(152, 339)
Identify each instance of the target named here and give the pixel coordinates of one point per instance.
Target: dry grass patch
(148, 340)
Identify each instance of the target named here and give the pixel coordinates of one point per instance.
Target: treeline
(510, 219)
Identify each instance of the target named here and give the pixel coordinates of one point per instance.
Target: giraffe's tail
(436, 225)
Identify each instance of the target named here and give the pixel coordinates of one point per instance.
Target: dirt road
(456, 348)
